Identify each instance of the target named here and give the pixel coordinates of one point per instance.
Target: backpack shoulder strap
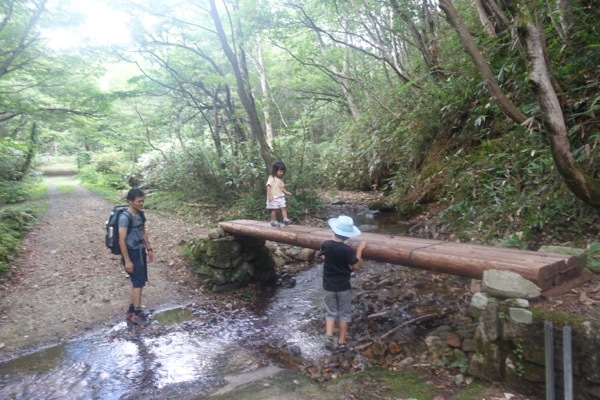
(129, 219)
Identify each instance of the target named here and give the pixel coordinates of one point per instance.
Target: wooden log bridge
(546, 270)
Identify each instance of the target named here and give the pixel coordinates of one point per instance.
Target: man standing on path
(136, 252)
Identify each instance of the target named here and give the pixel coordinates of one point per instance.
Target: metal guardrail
(567, 361)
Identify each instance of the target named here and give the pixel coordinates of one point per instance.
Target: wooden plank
(463, 259)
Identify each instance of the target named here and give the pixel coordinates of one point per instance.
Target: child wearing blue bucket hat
(340, 261)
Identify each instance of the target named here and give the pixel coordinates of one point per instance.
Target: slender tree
(527, 22)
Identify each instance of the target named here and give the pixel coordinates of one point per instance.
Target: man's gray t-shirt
(135, 238)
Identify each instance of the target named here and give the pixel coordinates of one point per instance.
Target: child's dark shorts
(139, 277)
(338, 306)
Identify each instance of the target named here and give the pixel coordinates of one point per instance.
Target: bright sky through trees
(101, 26)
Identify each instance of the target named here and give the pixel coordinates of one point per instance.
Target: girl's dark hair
(134, 194)
(277, 165)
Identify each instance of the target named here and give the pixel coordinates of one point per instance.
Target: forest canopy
(486, 108)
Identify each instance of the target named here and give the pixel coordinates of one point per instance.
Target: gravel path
(69, 282)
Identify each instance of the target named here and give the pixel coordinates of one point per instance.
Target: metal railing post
(549, 356)
(567, 363)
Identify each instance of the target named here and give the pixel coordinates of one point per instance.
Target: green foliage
(12, 192)
(109, 169)
(593, 257)
(199, 173)
(507, 190)
(89, 175)
(110, 162)
(17, 218)
(519, 355)
(12, 156)
(84, 158)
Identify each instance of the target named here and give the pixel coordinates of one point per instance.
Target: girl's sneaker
(275, 223)
(286, 222)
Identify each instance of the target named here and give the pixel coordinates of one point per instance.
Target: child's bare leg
(343, 332)
(329, 325)
(284, 212)
(273, 215)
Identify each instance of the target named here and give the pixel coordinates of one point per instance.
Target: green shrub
(12, 192)
(593, 257)
(110, 162)
(17, 218)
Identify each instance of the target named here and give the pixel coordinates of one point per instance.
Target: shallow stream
(176, 356)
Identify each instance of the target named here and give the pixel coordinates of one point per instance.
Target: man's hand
(129, 266)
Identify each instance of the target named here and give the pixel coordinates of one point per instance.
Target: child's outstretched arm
(359, 249)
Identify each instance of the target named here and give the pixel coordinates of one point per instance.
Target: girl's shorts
(276, 203)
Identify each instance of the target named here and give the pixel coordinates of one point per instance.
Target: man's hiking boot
(140, 319)
(274, 223)
(329, 342)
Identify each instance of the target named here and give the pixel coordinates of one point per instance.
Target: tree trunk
(483, 17)
(31, 150)
(564, 9)
(482, 66)
(345, 83)
(500, 22)
(243, 89)
(25, 41)
(264, 86)
(582, 185)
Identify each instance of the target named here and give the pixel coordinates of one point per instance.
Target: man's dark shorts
(139, 277)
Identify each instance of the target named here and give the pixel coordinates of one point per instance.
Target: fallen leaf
(594, 290)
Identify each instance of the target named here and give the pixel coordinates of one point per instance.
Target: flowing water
(178, 357)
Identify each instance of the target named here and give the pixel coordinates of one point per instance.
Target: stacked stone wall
(511, 347)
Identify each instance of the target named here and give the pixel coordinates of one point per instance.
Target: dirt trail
(69, 282)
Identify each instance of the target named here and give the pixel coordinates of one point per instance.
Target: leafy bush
(110, 162)
(593, 257)
(508, 190)
(12, 192)
(16, 219)
(12, 155)
(109, 169)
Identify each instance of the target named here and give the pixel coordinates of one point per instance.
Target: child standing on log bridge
(340, 261)
(276, 193)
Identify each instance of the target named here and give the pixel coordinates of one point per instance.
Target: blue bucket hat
(343, 226)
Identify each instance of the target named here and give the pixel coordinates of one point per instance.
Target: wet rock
(367, 228)
(306, 255)
(434, 344)
(287, 281)
(295, 350)
(453, 340)
(406, 363)
(469, 345)
(520, 315)
(508, 284)
(458, 379)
